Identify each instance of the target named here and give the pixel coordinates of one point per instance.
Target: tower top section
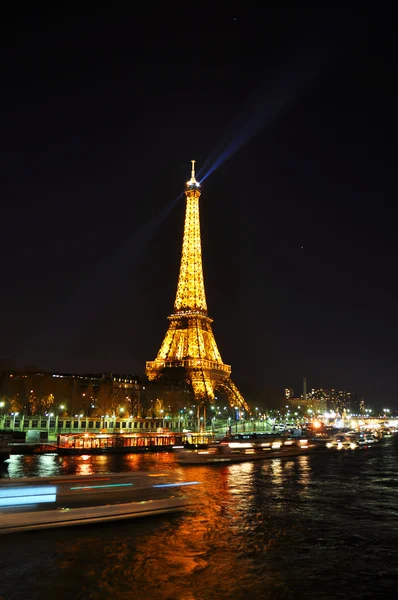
(191, 296)
(192, 184)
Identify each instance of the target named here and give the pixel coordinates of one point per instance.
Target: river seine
(322, 526)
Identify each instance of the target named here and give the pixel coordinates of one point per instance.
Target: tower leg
(235, 398)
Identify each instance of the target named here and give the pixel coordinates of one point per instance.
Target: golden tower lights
(189, 348)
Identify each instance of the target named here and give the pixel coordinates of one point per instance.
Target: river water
(322, 526)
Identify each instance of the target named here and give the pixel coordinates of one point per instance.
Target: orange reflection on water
(188, 554)
(209, 551)
(85, 467)
(305, 470)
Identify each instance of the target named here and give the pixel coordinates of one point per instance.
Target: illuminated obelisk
(189, 350)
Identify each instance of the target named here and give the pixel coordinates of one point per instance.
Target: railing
(63, 425)
(92, 424)
(191, 363)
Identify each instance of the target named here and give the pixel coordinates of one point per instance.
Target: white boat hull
(45, 519)
(191, 457)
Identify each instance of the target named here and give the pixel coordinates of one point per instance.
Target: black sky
(100, 117)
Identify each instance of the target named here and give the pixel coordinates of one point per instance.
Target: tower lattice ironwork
(189, 350)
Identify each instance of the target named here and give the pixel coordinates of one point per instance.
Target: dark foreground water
(322, 526)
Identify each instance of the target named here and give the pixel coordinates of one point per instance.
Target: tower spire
(192, 183)
(191, 295)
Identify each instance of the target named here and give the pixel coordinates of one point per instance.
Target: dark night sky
(100, 117)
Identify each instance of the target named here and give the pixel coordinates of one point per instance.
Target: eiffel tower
(189, 350)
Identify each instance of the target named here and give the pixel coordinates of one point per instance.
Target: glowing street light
(14, 415)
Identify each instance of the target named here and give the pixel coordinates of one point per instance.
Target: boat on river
(125, 443)
(52, 502)
(245, 447)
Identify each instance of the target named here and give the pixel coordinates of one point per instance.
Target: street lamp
(49, 416)
(2, 405)
(14, 415)
(61, 407)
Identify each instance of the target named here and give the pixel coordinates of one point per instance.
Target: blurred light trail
(20, 496)
(94, 487)
(167, 485)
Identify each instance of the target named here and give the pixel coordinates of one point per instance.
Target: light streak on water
(167, 485)
(94, 487)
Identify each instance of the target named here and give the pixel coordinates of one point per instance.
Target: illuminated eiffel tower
(189, 350)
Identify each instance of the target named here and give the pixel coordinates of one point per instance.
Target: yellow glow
(317, 424)
(189, 342)
(191, 287)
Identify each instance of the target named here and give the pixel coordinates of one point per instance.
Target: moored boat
(125, 443)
